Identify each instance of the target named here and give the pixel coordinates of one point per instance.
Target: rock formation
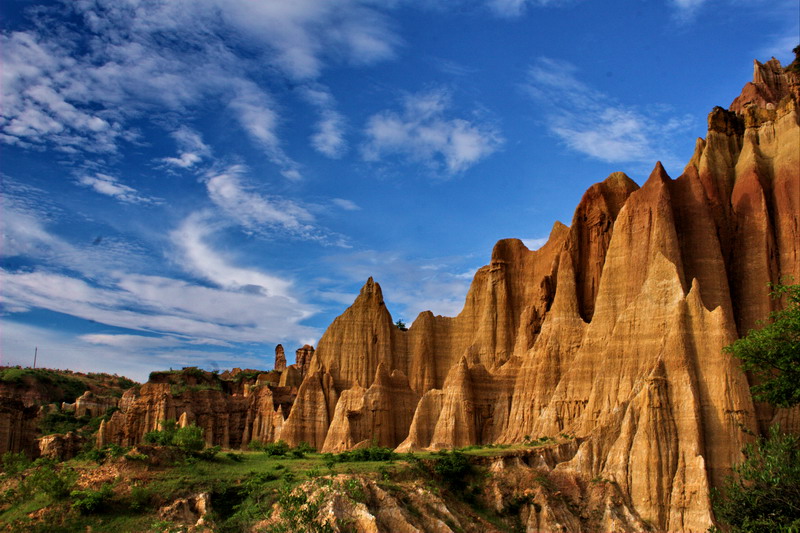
(280, 358)
(612, 332)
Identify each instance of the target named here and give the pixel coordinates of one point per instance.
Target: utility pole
(35, 353)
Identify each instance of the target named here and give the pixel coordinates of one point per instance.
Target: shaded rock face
(18, 426)
(60, 447)
(612, 331)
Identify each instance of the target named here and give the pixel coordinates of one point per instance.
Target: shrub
(765, 495)
(189, 439)
(52, 481)
(279, 448)
(235, 457)
(134, 456)
(305, 447)
(15, 463)
(373, 453)
(452, 467)
(140, 498)
(163, 437)
(255, 445)
(91, 501)
(210, 453)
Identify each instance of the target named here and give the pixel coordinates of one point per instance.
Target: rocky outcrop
(612, 331)
(231, 412)
(280, 358)
(60, 447)
(18, 427)
(91, 405)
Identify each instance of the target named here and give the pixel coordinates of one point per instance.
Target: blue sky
(191, 182)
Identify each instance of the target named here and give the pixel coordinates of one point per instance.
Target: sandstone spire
(280, 358)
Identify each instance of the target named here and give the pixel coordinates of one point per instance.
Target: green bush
(15, 463)
(140, 498)
(235, 457)
(49, 479)
(163, 437)
(90, 501)
(765, 494)
(305, 447)
(373, 453)
(279, 448)
(255, 445)
(452, 466)
(189, 439)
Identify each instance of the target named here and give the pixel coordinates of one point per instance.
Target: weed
(91, 501)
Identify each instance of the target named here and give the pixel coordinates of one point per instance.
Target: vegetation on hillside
(121, 489)
(764, 493)
(56, 386)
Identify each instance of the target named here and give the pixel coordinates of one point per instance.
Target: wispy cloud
(98, 281)
(191, 148)
(254, 211)
(199, 258)
(424, 132)
(347, 205)
(329, 135)
(593, 123)
(410, 285)
(515, 8)
(535, 243)
(110, 186)
(81, 91)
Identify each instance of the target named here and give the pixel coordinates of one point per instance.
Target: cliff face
(612, 333)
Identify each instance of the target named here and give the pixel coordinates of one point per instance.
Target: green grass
(243, 488)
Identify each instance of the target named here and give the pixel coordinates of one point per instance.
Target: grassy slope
(243, 487)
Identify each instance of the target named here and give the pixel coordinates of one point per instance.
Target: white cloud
(110, 186)
(80, 91)
(328, 137)
(423, 132)
(257, 212)
(125, 355)
(591, 122)
(161, 305)
(514, 8)
(685, 10)
(191, 148)
(199, 258)
(536, 243)
(128, 341)
(347, 205)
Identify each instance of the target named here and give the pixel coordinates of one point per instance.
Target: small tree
(764, 494)
(189, 439)
(401, 325)
(772, 353)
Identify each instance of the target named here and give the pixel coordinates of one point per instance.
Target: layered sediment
(612, 332)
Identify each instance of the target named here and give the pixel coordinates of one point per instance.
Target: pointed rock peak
(371, 289)
(619, 181)
(771, 83)
(458, 375)
(658, 177)
(381, 376)
(559, 229)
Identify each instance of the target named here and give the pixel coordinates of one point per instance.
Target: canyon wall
(611, 333)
